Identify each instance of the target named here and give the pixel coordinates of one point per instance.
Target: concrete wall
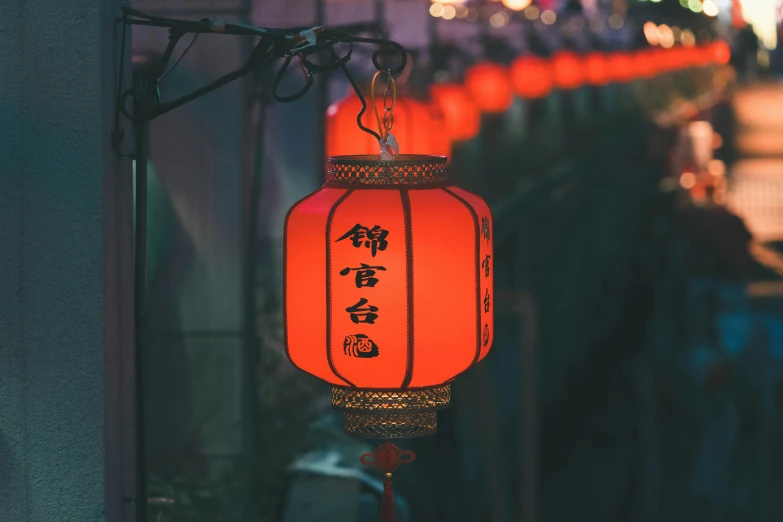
(65, 266)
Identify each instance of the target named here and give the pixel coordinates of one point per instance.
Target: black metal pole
(321, 99)
(141, 141)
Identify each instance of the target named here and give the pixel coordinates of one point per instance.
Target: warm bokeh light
(449, 12)
(531, 77)
(687, 38)
(651, 33)
(436, 9)
(710, 8)
(620, 67)
(721, 52)
(595, 65)
(489, 84)
(462, 11)
(462, 116)
(665, 36)
(548, 17)
(687, 180)
(516, 5)
(532, 12)
(567, 70)
(499, 19)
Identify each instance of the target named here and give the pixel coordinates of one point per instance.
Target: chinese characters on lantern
(362, 312)
(485, 265)
(373, 238)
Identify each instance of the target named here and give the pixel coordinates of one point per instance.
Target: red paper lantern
(621, 67)
(596, 69)
(388, 290)
(721, 52)
(463, 118)
(531, 77)
(417, 127)
(489, 84)
(644, 63)
(568, 70)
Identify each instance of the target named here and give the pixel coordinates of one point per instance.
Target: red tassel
(387, 503)
(387, 457)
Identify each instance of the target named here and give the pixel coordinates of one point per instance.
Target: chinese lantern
(644, 63)
(417, 127)
(489, 84)
(388, 290)
(621, 67)
(567, 70)
(595, 69)
(721, 52)
(461, 114)
(531, 77)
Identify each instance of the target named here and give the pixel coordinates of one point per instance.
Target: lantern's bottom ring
(410, 400)
(391, 425)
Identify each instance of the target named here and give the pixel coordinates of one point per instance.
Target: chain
(388, 107)
(386, 123)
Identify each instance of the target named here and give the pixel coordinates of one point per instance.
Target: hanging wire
(179, 59)
(302, 43)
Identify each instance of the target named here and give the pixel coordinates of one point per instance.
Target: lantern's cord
(314, 48)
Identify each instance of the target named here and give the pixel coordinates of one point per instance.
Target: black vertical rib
(477, 248)
(329, 219)
(406, 215)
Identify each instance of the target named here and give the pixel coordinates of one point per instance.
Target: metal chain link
(388, 108)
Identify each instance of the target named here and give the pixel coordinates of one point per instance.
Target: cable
(179, 59)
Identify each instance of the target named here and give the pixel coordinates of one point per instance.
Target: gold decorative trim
(408, 400)
(405, 170)
(391, 425)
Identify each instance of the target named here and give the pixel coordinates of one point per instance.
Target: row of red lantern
(455, 112)
(492, 86)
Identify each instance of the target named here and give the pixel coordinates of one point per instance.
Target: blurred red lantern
(665, 59)
(721, 52)
(568, 70)
(463, 118)
(595, 69)
(621, 67)
(418, 128)
(388, 288)
(531, 77)
(489, 84)
(685, 57)
(645, 63)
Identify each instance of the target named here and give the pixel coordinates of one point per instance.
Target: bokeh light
(499, 19)
(548, 17)
(516, 5)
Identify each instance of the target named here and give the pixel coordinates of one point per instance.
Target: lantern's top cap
(416, 171)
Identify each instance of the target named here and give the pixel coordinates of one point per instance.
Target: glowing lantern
(417, 127)
(621, 67)
(489, 84)
(531, 77)
(388, 288)
(568, 70)
(645, 64)
(595, 69)
(463, 118)
(721, 52)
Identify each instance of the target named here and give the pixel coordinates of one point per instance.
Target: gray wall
(65, 266)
